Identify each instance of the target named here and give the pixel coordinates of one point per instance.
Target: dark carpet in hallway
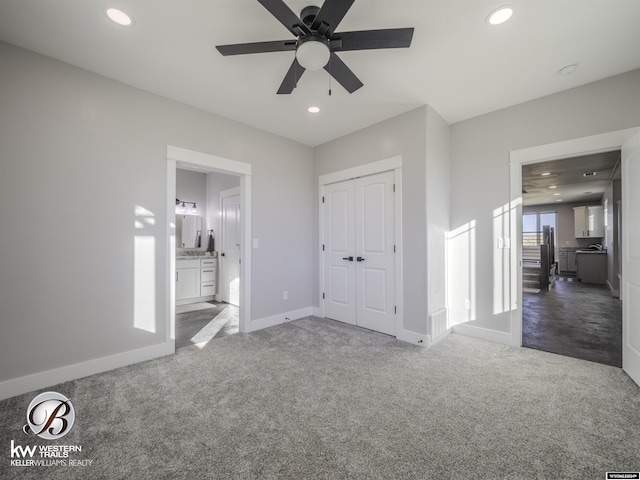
(574, 319)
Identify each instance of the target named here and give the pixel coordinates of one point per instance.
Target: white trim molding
(483, 333)
(602, 142)
(285, 317)
(177, 156)
(213, 162)
(419, 339)
(36, 381)
(361, 170)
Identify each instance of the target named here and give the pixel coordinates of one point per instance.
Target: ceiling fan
(317, 41)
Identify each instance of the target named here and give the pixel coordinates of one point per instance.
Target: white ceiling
(457, 63)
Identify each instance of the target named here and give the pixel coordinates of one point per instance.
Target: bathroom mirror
(189, 231)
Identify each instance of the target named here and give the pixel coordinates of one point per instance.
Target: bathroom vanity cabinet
(187, 279)
(196, 277)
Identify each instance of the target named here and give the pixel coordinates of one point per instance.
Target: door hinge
(323, 295)
(394, 249)
(394, 187)
(323, 247)
(323, 199)
(395, 309)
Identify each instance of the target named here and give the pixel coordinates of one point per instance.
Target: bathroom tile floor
(200, 326)
(574, 319)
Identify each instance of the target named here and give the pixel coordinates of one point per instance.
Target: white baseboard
(189, 301)
(483, 333)
(413, 337)
(36, 381)
(284, 317)
(437, 339)
(614, 293)
(316, 311)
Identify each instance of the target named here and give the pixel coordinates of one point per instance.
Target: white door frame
(211, 163)
(395, 164)
(555, 151)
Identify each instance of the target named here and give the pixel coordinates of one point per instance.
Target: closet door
(339, 250)
(375, 257)
(359, 258)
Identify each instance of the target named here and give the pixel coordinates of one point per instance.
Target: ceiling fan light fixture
(312, 52)
(313, 109)
(500, 15)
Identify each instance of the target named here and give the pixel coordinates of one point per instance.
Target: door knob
(223, 254)
(348, 258)
(360, 259)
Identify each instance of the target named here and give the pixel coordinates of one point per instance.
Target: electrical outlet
(285, 295)
(467, 304)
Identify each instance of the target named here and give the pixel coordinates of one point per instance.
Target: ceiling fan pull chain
(330, 76)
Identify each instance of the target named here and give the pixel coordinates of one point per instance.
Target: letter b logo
(50, 415)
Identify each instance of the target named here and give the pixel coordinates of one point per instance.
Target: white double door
(359, 252)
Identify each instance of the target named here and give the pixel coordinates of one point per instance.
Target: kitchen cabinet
(592, 267)
(187, 279)
(589, 221)
(567, 261)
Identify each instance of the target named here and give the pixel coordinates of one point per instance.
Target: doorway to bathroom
(200, 308)
(207, 256)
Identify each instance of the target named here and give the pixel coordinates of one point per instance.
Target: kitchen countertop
(591, 252)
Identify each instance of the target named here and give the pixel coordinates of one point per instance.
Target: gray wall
(480, 162)
(408, 136)
(79, 153)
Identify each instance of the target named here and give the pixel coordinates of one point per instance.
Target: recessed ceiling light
(559, 200)
(545, 174)
(500, 15)
(313, 109)
(589, 174)
(119, 17)
(569, 69)
(587, 193)
(556, 194)
(553, 186)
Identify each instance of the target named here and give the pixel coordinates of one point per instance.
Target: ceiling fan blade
(284, 15)
(331, 14)
(372, 39)
(291, 78)
(345, 77)
(257, 47)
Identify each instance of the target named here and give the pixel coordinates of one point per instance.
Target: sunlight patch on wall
(501, 259)
(461, 273)
(172, 284)
(144, 274)
(515, 217)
